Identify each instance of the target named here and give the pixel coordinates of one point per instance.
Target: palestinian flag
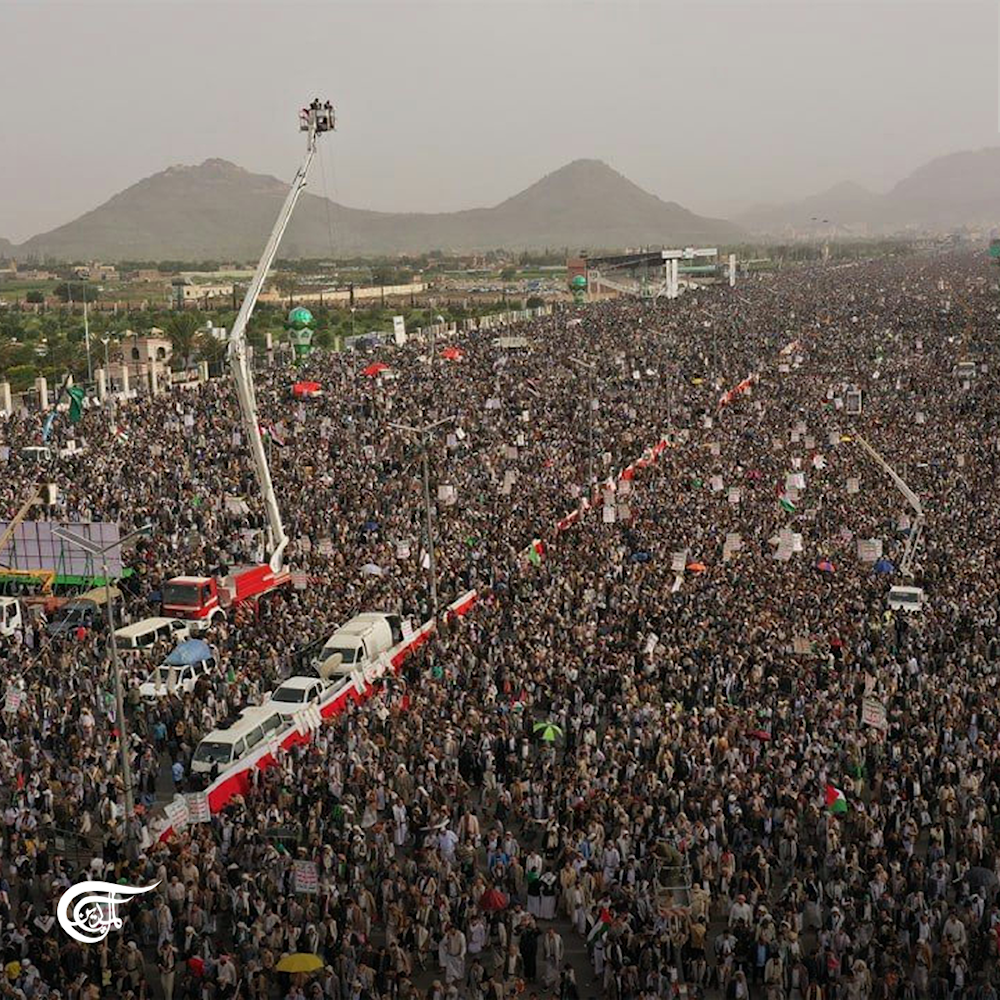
(787, 506)
(535, 552)
(836, 801)
(600, 927)
(120, 433)
(269, 433)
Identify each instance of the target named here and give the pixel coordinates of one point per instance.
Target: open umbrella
(452, 354)
(300, 961)
(493, 900)
(982, 878)
(695, 567)
(547, 731)
(303, 390)
(825, 566)
(375, 368)
(759, 734)
(884, 566)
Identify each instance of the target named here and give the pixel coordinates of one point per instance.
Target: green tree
(383, 274)
(287, 282)
(35, 297)
(182, 329)
(75, 291)
(210, 349)
(21, 377)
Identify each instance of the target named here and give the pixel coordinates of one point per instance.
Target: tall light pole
(86, 334)
(425, 433)
(590, 417)
(107, 366)
(123, 743)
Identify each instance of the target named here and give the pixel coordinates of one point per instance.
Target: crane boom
(314, 120)
(913, 539)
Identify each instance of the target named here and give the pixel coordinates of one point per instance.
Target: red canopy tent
(375, 368)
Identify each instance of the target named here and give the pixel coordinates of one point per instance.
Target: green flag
(76, 395)
(787, 505)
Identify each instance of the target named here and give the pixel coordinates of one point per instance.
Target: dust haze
(443, 106)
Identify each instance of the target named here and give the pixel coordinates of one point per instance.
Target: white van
(906, 599)
(358, 643)
(148, 632)
(226, 745)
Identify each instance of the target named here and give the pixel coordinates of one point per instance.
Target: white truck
(358, 644)
(11, 616)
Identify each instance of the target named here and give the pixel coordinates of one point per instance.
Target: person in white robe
(452, 955)
(401, 824)
(552, 958)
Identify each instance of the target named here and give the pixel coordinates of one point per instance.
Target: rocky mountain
(844, 203)
(949, 192)
(218, 210)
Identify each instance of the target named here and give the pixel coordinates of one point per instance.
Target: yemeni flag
(600, 927)
(836, 800)
(787, 506)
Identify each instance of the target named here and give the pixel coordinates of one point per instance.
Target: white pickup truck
(180, 671)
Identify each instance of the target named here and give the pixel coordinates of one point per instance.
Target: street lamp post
(424, 433)
(123, 741)
(86, 335)
(107, 365)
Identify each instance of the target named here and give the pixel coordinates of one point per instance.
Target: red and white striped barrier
(237, 779)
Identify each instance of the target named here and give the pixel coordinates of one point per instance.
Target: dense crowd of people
(702, 638)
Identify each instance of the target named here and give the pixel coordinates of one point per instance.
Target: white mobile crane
(314, 121)
(916, 528)
(204, 597)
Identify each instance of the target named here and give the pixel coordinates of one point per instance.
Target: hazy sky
(457, 104)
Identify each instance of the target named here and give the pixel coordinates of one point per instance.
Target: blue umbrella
(370, 526)
(189, 651)
(639, 557)
(884, 566)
